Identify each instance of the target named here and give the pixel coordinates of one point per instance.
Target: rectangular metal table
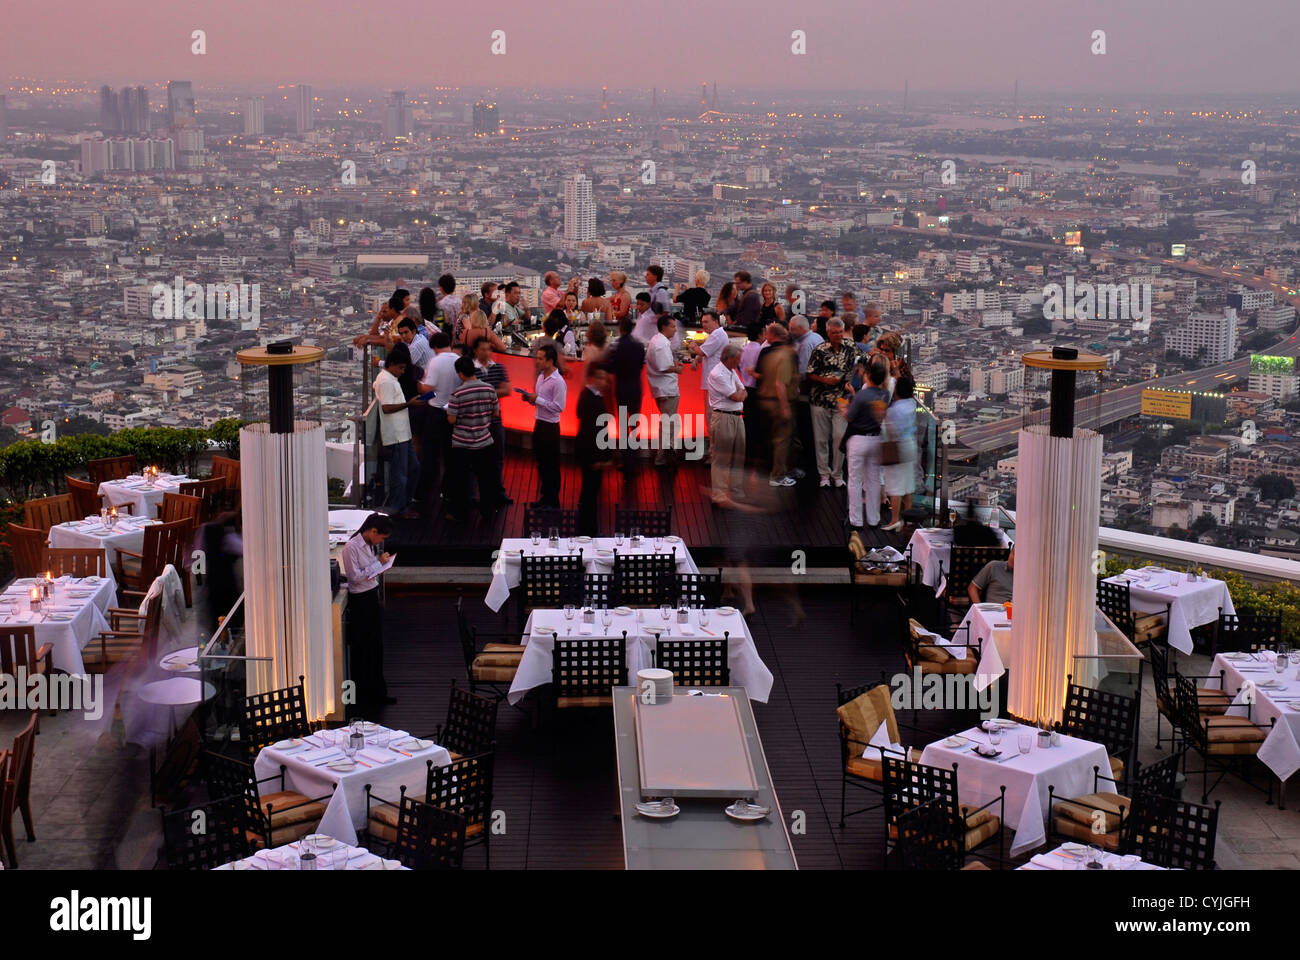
(701, 837)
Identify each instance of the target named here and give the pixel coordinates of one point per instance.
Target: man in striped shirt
(495, 375)
(470, 411)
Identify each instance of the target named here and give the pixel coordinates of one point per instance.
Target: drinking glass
(307, 861)
(568, 611)
(665, 612)
(1026, 741)
(659, 544)
(995, 735)
(618, 538)
(1295, 657)
(1280, 661)
(606, 616)
(704, 615)
(555, 533)
(537, 538)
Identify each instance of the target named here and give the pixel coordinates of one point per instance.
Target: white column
(1058, 502)
(286, 563)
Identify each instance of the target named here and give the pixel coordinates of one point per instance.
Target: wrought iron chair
(700, 662)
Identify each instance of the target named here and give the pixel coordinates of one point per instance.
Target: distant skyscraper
(306, 108)
(487, 121)
(255, 117)
(109, 121)
(4, 119)
(604, 98)
(396, 116)
(579, 209)
(180, 103)
(704, 95)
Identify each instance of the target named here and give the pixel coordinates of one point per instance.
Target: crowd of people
(788, 391)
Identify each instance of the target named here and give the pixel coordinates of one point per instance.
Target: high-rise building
(180, 103)
(579, 209)
(396, 116)
(1207, 336)
(486, 120)
(1020, 181)
(306, 108)
(109, 121)
(254, 116)
(126, 111)
(4, 119)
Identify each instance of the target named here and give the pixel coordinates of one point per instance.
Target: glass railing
(931, 486)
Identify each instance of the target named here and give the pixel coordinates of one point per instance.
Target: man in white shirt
(646, 319)
(365, 618)
(726, 427)
(549, 398)
(402, 476)
(709, 350)
(439, 383)
(662, 369)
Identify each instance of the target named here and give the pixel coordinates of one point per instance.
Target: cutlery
(397, 750)
(708, 631)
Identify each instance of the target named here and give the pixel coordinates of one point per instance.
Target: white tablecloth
(1280, 751)
(507, 565)
(68, 637)
(143, 498)
(90, 533)
(747, 668)
(286, 858)
(1058, 859)
(1194, 603)
(1067, 767)
(932, 549)
(345, 813)
(992, 629)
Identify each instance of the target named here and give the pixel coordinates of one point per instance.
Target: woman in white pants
(862, 445)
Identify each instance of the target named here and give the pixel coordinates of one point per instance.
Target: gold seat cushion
(872, 768)
(967, 665)
(384, 818)
(599, 701)
(1116, 768)
(1108, 809)
(282, 835)
(1083, 834)
(975, 865)
(493, 673)
(1233, 736)
(856, 546)
(862, 716)
(986, 829)
(287, 808)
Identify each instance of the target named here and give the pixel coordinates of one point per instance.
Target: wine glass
(537, 538)
(568, 611)
(606, 616)
(1280, 659)
(618, 538)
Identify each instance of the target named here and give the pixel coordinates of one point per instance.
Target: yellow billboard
(1170, 404)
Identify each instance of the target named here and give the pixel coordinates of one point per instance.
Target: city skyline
(1230, 50)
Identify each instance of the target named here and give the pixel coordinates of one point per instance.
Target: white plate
(657, 812)
(749, 814)
(954, 742)
(1074, 847)
(288, 744)
(177, 664)
(319, 841)
(602, 552)
(368, 727)
(543, 628)
(583, 539)
(726, 611)
(392, 864)
(94, 580)
(623, 611)
(672, 539)
(341, 766)
(414, 744)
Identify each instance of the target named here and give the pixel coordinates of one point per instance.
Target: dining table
(1075, 856)
(597, 557)
(317, 764)
(1026, 769)
(643, 628)
(124, 533)
(143, 495)
(69, 620)
(330, 853)
(1191, 601)
(931, 549)
(1263, 695)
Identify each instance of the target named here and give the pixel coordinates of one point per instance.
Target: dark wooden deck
(555, 784)
(805, 517)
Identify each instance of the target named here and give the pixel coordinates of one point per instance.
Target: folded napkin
(276, 856)
(585, 630)
(380, 755)
(317, 755)
(881, 739)
(367, 859)
(1050, 861)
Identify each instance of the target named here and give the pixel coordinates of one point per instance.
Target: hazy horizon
(942, 46)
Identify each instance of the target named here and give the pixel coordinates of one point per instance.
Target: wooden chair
(429, 837)
(179, 506)
(211, 492)
(16, 795)
(45, 512)
(493, 666)
(28, 547)
(273, 716)
(861, 711)
(86, 501)
(130, 636)
(222, 839)
(906, 785)
(110, 468)
(651, 523)
(463, 786)
(7, 787)
(164, 543)
(269, 818)
(18, 650)
(76, 562)
(698, 662)
(228, 470)
(471, 725)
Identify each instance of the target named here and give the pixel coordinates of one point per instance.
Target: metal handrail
(224, 628)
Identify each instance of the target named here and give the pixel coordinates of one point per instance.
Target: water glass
(1026, 741)
(704, 616)
(665, 612)
(659, 544)
(1280, 661)
(606, 616)
(995, 735)
(618, 538)
(537, 538)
